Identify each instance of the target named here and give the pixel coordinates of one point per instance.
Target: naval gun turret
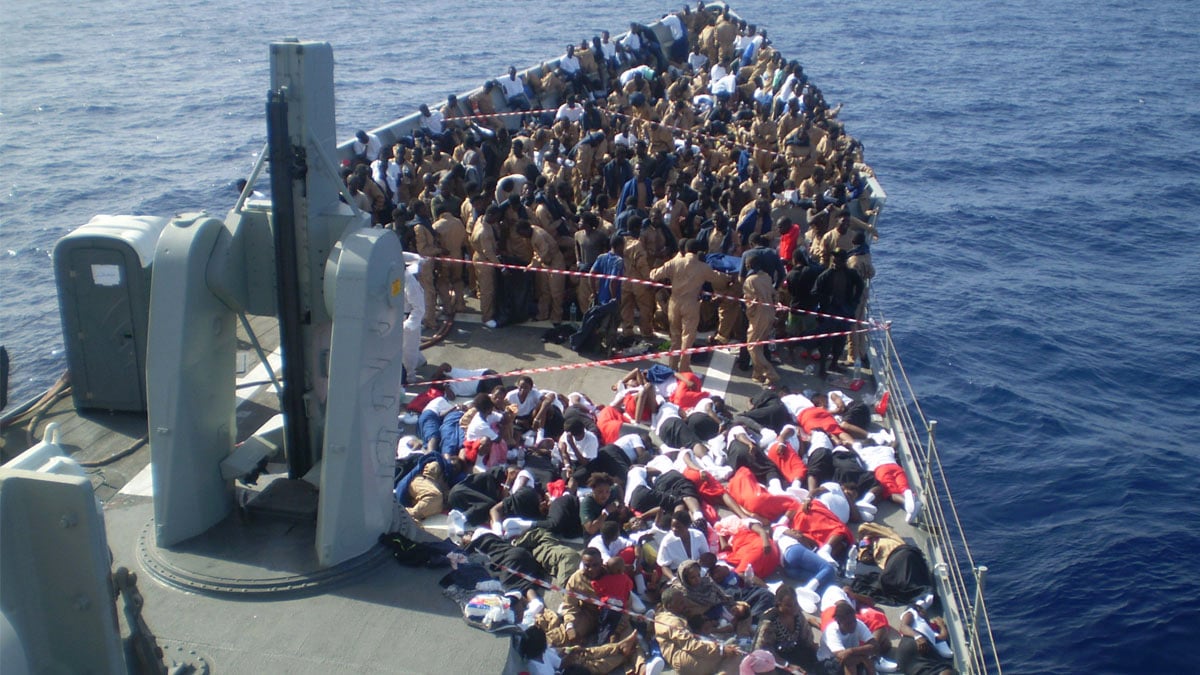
(336, 285)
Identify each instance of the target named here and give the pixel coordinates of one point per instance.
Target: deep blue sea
(1039, 256)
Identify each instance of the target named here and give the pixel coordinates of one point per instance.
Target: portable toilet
(103, 272)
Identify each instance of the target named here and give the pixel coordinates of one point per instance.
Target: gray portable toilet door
(104, 317)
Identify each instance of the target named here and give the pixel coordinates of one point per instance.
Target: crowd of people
(682, 532)
(711, 164)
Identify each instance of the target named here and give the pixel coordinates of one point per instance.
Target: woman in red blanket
(754, 498)
(746, 543)
(786, 458)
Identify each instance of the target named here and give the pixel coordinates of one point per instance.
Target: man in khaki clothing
(453, 237)
(687, 273)
(548, 286)
(637, 297)
(428, 246)
(485, 249)
(687, 653)
(579, 618)
(759, 293)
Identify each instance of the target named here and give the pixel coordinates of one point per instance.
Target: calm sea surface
(1039, 253)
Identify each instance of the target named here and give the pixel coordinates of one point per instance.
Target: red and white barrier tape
(657, 355)
(779, 307)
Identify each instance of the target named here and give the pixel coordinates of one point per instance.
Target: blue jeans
(429, 425)
(802, 564)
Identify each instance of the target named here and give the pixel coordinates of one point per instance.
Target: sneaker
(924, 601)
(655, 666)
(886, 665)
(808, 600)
(867, 511)
(912, 507)
(490, 323)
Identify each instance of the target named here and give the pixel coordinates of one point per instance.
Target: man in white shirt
(367, 146)
(570, 111)
(680, 544)
(847, 643)
(512, 184)
(577, 447)
(609, 49)
(633, 42)
(568, 66)
(433, 123)
(514, 90)
(675, 25)
(726, 87)
(469, 388)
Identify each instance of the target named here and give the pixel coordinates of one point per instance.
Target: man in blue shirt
(611, 263)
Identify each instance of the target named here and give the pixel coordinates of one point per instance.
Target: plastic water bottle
(851, 562)
(882, 406)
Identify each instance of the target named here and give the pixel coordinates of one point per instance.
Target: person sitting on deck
(528, 405)
(686, 652)
(847, 646)
(601, 505)
(514, 90)
(577, 447)
(682, 543)
(483, 444)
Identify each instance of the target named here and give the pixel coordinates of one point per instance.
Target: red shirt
(614, 587)
(818, 419)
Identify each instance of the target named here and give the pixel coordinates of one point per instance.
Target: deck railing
(960, 578)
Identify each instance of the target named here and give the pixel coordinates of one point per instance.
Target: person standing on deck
(428, 246)
(837, 290)
(612, 264)
(638, 298)
(638, 192)
(759, 292)
(485, 249)
(590, 241)
(452, 235)
(687, 272)
(860, 262)
(548, 286)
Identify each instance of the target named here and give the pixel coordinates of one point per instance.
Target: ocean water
(1039, 254)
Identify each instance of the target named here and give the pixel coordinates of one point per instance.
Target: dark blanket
(905, 578)
(597, 322)
(510, 557)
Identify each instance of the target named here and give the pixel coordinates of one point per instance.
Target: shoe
(886, 665)
(924, 601)
(655, 666)
(808, 600)
(867, 511)
(490, 323)
(912, 507)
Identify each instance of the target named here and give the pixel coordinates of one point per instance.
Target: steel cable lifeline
(644, 282)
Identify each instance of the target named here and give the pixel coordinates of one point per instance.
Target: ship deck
(385, 618)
